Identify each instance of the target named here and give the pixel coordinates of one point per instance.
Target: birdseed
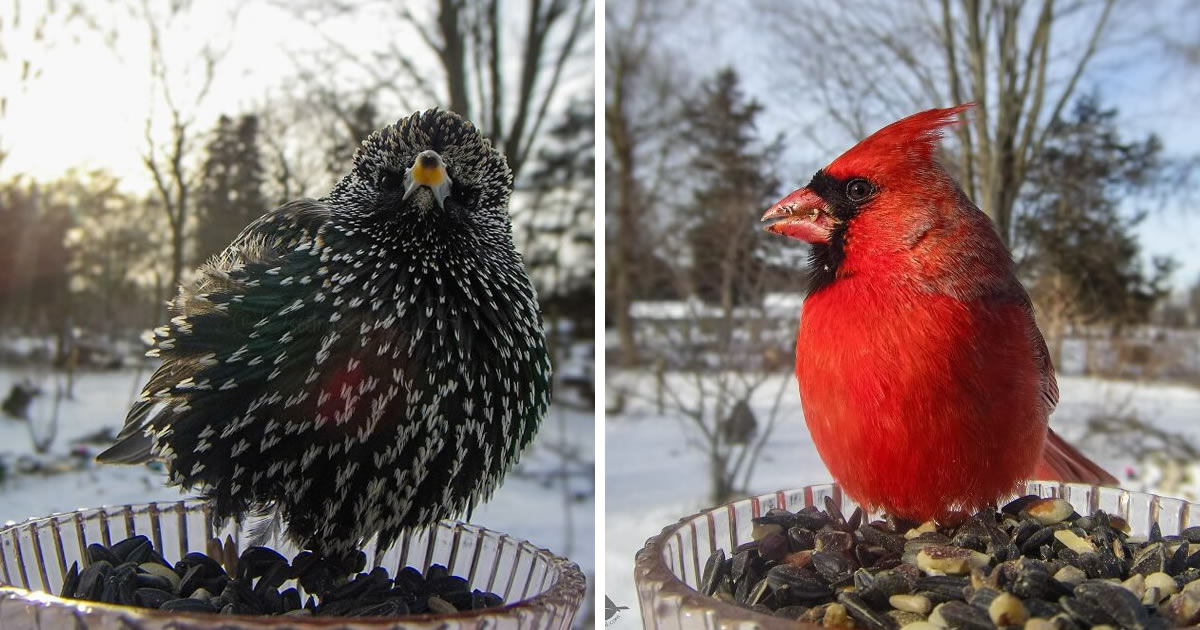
(1034, 563)
(132, 573)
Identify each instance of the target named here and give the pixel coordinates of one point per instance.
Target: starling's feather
(357, 365)
(133, 446)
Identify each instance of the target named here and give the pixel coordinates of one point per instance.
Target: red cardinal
(925, 382)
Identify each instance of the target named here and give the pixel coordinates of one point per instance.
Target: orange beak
(802, 215)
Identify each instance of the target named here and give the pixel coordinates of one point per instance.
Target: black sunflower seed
(1042, 608)
(123, 580)
(274, 577)
(204, 586)
(1036, 540)
(744, 563)
(941, 588)
(441, 586)
(207, 567)
(1016, 506)
(828, 539)
(461, 600)
(714, 569)
(834, 511)
(135, 549)
(791, 612)
(834, 566)
(962, 616)
(811, 521)
(802, 584)
(70, 581)
(1178, 560)
(801, 539)
(982, 597)
(775, 516)
(1116, 602)
(149, 580)
(97, 553)
(152, 597)
(1024, 529)
(256, 561)
(1150, 559)
(773, 547)
(1085, 613)
(880, 538)
(864, 614)
(187, 604)
(387, 608)
(92, 580)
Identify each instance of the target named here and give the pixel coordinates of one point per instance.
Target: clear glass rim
(567, 589)
(652, 574)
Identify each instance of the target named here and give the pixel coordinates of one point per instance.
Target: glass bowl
(667, 570)
(545, 590)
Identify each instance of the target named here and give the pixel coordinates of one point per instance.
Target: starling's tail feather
(1063, 462)
(131, 450)
(133, 445)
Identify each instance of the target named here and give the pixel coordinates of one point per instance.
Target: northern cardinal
(925, 382)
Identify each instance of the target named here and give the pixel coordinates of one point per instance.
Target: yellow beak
(428, 170)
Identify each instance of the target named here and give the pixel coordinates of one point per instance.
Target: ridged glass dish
(544, 591)
(667, 570)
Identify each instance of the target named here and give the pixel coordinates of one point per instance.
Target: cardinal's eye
(859, 189)
(391, 181)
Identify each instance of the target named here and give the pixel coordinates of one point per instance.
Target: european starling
(360, 364)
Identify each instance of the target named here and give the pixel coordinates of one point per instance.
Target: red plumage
(925, 382)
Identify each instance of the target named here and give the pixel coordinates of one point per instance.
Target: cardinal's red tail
(1063, 462)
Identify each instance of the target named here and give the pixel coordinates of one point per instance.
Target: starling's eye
(391, 181)
(859, 189)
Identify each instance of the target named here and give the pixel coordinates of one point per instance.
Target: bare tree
(309, 135)
(710, 366)
(877, 61)
(640, 110)
(176, 96)
(473, 48)
(716, 350)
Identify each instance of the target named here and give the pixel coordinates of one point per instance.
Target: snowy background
(653, 448)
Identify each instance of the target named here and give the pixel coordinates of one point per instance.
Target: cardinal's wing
(1060, 460)
(1045, 365)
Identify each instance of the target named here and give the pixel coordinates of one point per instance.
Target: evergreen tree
(111, 247)
(230, 194)
(350, 128)
(737, 183)
(1075, 245)
(33, 258)
(559, 229)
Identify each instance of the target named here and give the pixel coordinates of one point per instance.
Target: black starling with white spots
(361, 364)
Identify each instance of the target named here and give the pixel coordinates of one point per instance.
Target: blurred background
(1083, 149)
(138, 137)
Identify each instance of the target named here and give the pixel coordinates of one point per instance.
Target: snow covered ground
(653, 479)
(525, 506)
